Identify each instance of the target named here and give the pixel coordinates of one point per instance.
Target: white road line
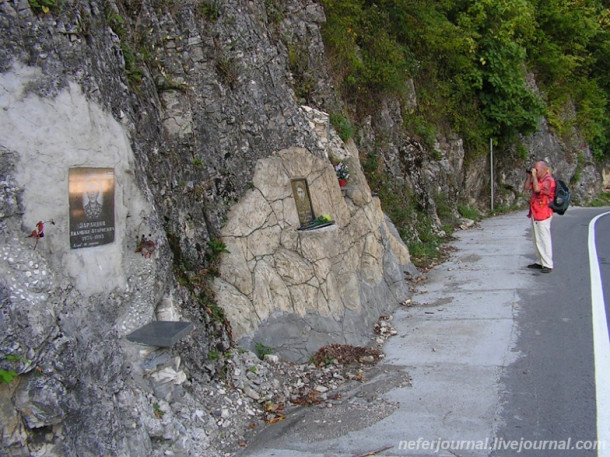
(601, 347)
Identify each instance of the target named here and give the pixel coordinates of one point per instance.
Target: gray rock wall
(570, 160)
(445, 170)
(185, 127)
(199, 113)
(65, 312)
(297, 290)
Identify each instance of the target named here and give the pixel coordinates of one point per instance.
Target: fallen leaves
(308, 399)
(274, 412)
(344, 354)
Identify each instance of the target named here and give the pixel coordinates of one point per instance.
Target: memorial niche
(91, 198)
(302, 199)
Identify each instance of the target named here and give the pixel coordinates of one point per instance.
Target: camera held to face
(528, 170)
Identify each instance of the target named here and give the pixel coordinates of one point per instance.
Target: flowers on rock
(342, 171)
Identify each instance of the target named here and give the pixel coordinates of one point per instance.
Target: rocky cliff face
(296, 290)
(187, 106)
(186, 121)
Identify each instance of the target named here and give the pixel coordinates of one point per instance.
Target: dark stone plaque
(300, 191)
(91, 195)
(160, 333)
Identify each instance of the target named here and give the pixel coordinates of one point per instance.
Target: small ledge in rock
(160, 333)
(314, 225)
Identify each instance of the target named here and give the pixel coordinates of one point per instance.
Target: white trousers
(543, 242)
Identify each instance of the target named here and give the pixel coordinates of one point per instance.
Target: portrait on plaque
(91, 197)
(300, 191)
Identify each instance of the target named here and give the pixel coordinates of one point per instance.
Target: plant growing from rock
(228, 70)
(262, 350)
(209, 9)
(217, 247)
(342, 125)
(198, 282)
(159, 413)
(7, 376)
(43, 6)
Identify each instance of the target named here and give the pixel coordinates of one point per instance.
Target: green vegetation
(159, 413)
(475, 65)
(469, 212)
(42, 6)
(342, 125)
(199, 280)
(133, 70)
(216, 248)
(469, 61)
(504, 209)
(304, 82)
(274, 11)
(602, 199)
(7, 376)
(228, 70)
(120, 26)
(209, 9)
(262, 350)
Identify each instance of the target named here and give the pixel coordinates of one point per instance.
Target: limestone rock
(318, 272)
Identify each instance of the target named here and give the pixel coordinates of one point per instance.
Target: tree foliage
(471, 60)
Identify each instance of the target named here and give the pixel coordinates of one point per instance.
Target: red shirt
(539, 201)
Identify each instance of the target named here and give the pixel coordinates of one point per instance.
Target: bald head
(541, 168)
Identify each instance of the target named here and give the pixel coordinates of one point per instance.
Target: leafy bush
(469, 61)
(342, 125)
(469, 213)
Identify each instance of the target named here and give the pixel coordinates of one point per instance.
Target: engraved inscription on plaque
(91, 195)
(300, 190)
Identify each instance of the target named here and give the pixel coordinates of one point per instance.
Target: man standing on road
(542, 186)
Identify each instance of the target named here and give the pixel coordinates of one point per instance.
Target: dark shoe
(536, 266)
(546, 270)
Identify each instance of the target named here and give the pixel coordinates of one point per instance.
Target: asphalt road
(494, 359)
(549, 398)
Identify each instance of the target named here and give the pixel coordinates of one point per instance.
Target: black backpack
(562, 198)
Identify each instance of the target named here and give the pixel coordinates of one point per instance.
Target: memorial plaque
(300, 190)
(160, 333)
(91, 195)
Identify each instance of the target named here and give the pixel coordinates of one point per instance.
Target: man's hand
(535, 184)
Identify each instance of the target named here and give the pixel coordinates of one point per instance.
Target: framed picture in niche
(302, 199)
